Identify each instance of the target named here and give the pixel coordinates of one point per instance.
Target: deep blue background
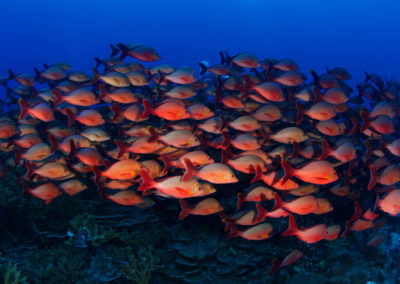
(358, 35)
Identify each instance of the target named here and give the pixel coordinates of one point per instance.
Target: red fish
(207, 206)
(289, 259)
(309, 235)
(317, 172)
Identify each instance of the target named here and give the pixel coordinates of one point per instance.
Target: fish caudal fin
(300, 113)
(97, 176)
(203, 68)
(31, 170)
(317, 94)
(25, 188)
(258, 174)
(234, 232)
(278, 202)
(185, 209)
(154, 136)
(24, 109)
(59, 97)
(116, 110)
(240, 197)
(167, 164)
(114, 50)
(276, 264)
(374, 177)
(71, 117)
(292, 229)
(122, 149)
(289, 171)
(326, 150)
(53, 143)
(147, 109)
(261, 213)
(190, 170)
(124, 51)
(147, 181)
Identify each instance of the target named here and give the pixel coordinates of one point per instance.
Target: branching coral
(141, 265)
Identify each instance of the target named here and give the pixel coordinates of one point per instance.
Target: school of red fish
(253, 129)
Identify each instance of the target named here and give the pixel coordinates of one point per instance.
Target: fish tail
(122, 149)
(37, 74)
(147, 109)
(190, 170)
(53, 143)
(326, 150)
(292, 229)
(278, 202)
(24, 108)
(59, 97)
(114, 50)
(228, 59)
(258, 174)
(221, 55)
(73, 150)
(154, 136)
(261, 213)
(103, 92)
(315, 77)
(116, 110)
(383, 143)
(71, 117)
(167, 164)
(147, 181)
(354, 126)
(357, 214)
(25, 188)
(98, 62)
(300, 112)
(31, 170)
(185, 209)
(203, 68)
(11, 74)
(296, 150)
(317, 94)
(240, 197)
(365, 119)
(374, 177)
(288, 169)
(17, 156)
(234, 232)
(248, 86)
(124, 51)
(97, 175)
(96, 75)
(276, 264)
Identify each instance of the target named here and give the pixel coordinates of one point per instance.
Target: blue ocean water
(358, 35)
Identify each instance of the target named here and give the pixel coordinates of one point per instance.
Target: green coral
(96, 235)
(12, 275)
(141, 265)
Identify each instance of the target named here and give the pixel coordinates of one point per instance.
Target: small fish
(257, 233)
(289, 259)
(47, 191)
(207, 206)
(316, 172)
(309, 235)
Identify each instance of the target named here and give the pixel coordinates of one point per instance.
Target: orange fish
(289, 259)
(125, 197)
(207, 206)
(309, 235)
(257, 233)
(257, 194)
(121, 170)
(390, 203)
(215, 173)
(303, 205)
(170, 110)
(47, 191)
(174, 186)
(41, 111)
(80, 97)
(72, 186)
(317, 172)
